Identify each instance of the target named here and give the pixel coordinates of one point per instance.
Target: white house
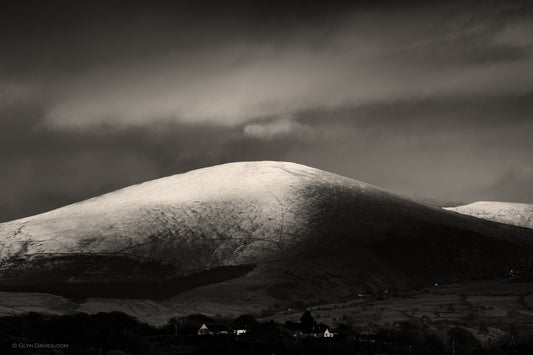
(328, 334)
(203, 330)
(213, 329)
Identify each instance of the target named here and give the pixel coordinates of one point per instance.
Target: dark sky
(432, 100)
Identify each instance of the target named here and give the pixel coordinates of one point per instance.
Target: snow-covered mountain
(516, 214)
(229, 214)
(255, 233)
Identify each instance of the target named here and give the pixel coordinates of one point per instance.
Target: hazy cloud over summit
(431, 100)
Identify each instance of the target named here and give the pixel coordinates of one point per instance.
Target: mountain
(250, 234)
(516, 214)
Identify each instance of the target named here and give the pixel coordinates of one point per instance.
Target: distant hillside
(516, 214)
(251, 234)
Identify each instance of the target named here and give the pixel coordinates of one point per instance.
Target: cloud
(354, 58)
(268, 130)
(18, 93)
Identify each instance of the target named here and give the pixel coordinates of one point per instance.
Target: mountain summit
(223, 215)
(273, 231)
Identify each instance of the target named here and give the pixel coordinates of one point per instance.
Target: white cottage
(214, 329)
(203, 330)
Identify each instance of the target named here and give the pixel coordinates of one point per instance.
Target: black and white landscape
(258, 177)
(248, 235)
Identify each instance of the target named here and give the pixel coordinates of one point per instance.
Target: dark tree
(307, 322)
(245, 321)
(462, 341)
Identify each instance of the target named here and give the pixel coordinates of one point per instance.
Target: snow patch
(517, 214)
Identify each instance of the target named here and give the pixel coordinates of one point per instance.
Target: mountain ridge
(305, 234)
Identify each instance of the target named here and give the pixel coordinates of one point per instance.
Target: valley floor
(485, 300)
(483, 316)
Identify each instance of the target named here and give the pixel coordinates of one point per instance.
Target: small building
(214, 329)
(316, 334)
(240, 331)
(203, 330)
(328, 334)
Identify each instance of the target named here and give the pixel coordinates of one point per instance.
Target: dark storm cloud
(133, 65)
(431, 100)
(72, 36)
(438, 113)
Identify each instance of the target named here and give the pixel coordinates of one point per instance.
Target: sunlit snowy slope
(274, 231)
(516, 214)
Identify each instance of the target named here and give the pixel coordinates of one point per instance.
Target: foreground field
(488, 308)
(484, 316)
